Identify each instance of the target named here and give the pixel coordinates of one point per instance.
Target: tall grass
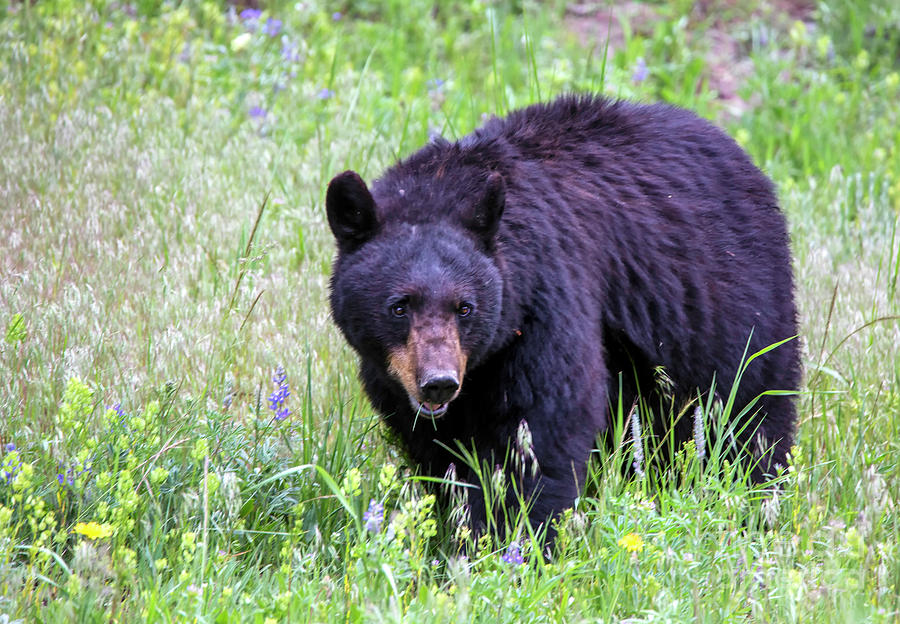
(164, 250)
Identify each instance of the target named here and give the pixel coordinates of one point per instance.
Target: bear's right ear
(484, 217)
(351, 210)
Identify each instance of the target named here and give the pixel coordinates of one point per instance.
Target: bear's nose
(439, 388)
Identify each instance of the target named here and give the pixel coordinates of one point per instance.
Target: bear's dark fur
(536, 267)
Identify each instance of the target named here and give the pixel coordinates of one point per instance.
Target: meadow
(182, 433)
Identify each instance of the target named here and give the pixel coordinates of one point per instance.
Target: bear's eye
(398, 310)
(464, 309)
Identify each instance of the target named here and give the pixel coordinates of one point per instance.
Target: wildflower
(386, 476)
(799, 34)
(640, 71)
(435, 84)
(158, 475)
(257, 112)
(250, 17)
(93, 530)
(352, 484)
(374, 516)
(290, 50)
(12, 463)
(632, 542)
(513, 555)
(272, 27)
(280, 395)
(325, 94)
(856, 542)
(77, 405)
(68, 475)
(336, 16)
(200, 449)
(825, 47)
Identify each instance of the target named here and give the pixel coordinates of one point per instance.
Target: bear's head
(416, 289)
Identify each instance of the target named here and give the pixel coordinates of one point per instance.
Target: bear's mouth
(430, 366)
(432, 410)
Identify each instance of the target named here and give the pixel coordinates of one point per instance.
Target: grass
(162, 170)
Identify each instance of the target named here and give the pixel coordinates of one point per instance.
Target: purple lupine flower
(68, 475)
(7, 469)
(374, 516)
(280, 395)
(290, 51)
(325, 94)
(640, 71)
(272, 27)
(513, 555)
(250, 17)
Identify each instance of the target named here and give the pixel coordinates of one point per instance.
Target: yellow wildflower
(93, 530)
(632, 542)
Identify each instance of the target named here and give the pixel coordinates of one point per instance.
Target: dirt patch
(725, 27)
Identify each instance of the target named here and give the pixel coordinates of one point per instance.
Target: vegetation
(182, 436)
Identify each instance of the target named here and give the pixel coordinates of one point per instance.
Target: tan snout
(431, 364)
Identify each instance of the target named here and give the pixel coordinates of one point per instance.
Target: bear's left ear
(484, 217)
(351, 210)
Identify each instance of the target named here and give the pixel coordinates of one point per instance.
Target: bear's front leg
(538, 443)
(541, 469)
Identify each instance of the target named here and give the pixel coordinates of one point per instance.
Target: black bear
(546, 267)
